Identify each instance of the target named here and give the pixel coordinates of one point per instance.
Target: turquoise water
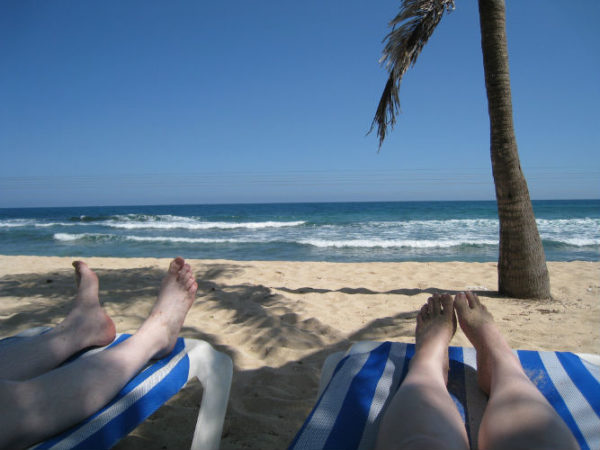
(377, 231)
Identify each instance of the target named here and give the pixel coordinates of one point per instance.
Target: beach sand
(279, 320)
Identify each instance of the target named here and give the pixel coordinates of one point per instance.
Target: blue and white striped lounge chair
(357, 386)
(150, 389)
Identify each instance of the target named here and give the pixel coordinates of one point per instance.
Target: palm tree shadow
(273, 399)
(366, 291)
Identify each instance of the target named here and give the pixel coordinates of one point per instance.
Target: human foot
(87, 283)
(91, 325)
(478, 325)
(176, 295)
(436, 324)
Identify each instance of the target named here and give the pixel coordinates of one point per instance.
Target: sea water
(344, 232)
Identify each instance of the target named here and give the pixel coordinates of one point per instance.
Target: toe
(176, 265)
(184, 271)
(473, 299)
(422, 315)
(460, 303)
(447, 303)
(435, 305)
(189, 282)
(79, 265)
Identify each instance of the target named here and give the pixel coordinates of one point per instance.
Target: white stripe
(318, 429)
(118, 408)
(591, 363)
(580, 409)
(386, 387)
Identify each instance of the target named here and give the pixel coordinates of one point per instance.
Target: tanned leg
(517, 415)
(38, 408)
(87, 325)
(422, 415)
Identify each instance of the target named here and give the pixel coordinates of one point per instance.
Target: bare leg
(517, 415)
(40, 407)
(422, 414)
(86, 325)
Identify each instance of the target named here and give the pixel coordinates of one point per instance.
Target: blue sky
(153, 102)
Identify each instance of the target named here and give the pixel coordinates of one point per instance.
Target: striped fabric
(143, 395)
(357, 391)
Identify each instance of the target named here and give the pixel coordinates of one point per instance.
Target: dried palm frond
(412, 27)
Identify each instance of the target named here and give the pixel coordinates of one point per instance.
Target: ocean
(342, 232)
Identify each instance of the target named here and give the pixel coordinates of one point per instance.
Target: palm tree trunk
(522, 268)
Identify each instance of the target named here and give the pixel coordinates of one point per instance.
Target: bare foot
(93, 327)
(87, 283)
(176, 295)
(478, 325)
(436, 324)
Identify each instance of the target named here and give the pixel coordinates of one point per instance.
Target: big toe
(461, 304)
(80, 267)
(176, 265)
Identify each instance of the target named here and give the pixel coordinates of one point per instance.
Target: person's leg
(517, 415)
(422, 414)
(35, 409)
(85, 326)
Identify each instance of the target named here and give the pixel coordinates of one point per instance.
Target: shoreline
(278, 320)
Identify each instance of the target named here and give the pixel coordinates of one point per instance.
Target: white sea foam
(438, 223)
(173, 222)
(579, 242)
(58, 224)
(68, 237)
(185, 240)
(406, 243)
(14, 223)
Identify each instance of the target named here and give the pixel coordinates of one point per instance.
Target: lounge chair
(356, 387)
(150, 389)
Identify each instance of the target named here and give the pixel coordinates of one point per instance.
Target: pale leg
(517, 414)
(86, 325)
(35, 409)
(422, 414)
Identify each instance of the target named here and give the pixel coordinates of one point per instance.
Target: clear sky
(155, 102)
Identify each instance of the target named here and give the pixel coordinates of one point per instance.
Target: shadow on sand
(271, 401)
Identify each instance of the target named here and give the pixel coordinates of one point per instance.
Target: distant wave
(68, 237)
(322, 243)
(14, 223)
(573, 242)
(84, 218)
(194, 225)
(187, 240)
(406, 243)
(437, 223)
(56, 224)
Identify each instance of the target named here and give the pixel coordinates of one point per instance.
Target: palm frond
(411, 29)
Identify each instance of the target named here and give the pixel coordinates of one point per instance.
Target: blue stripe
(316, 407)
(349, 425)
(457, 384)
(536, 371)
(149, 371)
(125, 422)
(582, 378)
(138, 379)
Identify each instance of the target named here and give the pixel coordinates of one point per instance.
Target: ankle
(155, 335)
(430, 363)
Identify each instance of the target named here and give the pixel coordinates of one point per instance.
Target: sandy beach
(279, 320)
